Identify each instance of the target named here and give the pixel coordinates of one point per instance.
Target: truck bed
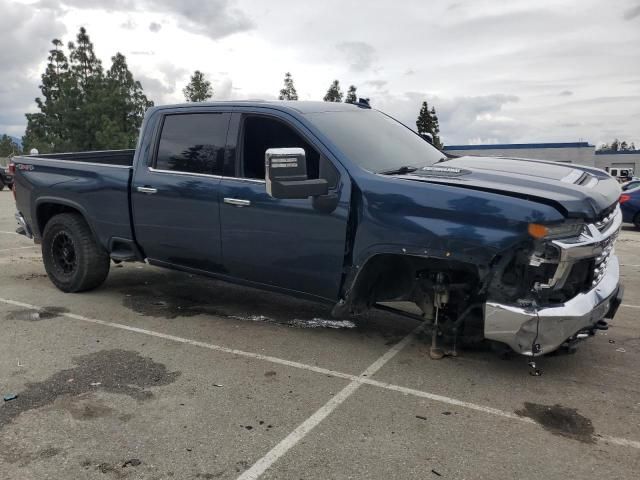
(94, 183)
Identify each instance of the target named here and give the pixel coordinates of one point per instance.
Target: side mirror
(286, 175)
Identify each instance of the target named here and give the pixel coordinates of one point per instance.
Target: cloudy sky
(496, 71)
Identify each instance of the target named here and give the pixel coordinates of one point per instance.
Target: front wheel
(72, 258)
(636, 220)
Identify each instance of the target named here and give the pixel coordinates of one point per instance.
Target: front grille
(603, 223)
(583, 261)
(602, 260)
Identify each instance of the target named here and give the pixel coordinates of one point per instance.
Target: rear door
(175, 196)
(291, 244)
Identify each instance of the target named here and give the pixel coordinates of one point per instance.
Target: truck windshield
(376, 142)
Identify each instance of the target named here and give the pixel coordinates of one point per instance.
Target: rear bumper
(519, 326)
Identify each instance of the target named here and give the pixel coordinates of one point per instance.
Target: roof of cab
(285, 105)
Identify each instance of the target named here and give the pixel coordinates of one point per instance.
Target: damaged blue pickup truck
(341, 204)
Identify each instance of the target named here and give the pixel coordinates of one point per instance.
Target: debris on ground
(10, 396)
(95, 384)
(435, 472)
(321, 323)
(134, 462)
(421, 417)
(621, 350)
(217, 385)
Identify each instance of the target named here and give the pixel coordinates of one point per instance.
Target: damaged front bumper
(518, 327)
(537, 330)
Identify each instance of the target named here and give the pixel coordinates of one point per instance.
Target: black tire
(72, 258)
(1, 185)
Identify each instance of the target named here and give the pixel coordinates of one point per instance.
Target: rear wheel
(72, 258)
(636, 220)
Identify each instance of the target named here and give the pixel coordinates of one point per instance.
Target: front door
(175, 198)
(292, 244)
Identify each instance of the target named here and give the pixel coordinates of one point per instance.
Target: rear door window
(193, 143)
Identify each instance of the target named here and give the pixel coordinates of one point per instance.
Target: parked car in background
(6, 178)
(621, 174)
(630, 206)
(630, 185)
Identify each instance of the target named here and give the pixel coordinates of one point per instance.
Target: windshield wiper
(399, 171)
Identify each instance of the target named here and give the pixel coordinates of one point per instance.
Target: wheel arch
(47, 207)
(388, 275)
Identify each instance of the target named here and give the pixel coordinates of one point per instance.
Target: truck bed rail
(121, 158)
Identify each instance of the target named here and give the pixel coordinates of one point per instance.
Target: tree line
(617, 146)
(427, 122)
(8, 147)
(85, 107)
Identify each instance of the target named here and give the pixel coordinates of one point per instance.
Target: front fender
(439, 221)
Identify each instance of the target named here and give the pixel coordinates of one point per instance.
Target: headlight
(563, 230)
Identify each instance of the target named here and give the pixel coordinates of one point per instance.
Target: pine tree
(47, 130)
(124, 105)
(633, 146)
(289, 91)
(436, 128)
(84, 63)
(81, 108)
(351, 95)
(624, 145)
(427, 123)
(424, 121)
(198, 89)
(85, 96)
(334, 94)
(615, 145)
(8, 147)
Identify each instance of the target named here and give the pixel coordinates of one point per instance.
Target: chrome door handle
(238, 202)
(147, 189)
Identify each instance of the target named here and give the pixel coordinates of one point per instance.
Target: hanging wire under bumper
(516, 326)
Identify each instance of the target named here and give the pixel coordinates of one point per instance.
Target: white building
(575, 152)
(581, 153)
(611, 161)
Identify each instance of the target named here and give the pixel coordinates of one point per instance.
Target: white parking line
(323, 412)
(195, 343)
(17, 248)
(11, 233)
(629, 306)
(346, 392)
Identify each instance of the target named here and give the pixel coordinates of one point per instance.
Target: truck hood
(574, 190)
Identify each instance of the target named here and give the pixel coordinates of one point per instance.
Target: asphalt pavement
(165, 375)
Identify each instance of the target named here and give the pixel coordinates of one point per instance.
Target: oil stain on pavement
(162, 301)
(115, 371)
(183, 297)
(559, 420)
